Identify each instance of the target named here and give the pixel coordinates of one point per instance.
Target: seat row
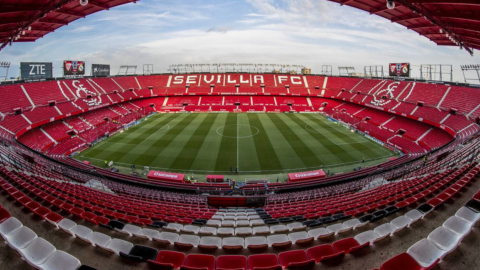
(428, 252)
(36, 251)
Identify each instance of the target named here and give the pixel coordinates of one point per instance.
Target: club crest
(385, 92)
(93, 101)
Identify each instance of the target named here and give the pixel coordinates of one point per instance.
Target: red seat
(4, 215)
(32, 206)
(296, 259)
(323, 252)
(199, 261)
(42, 212)
(231, 262)
(403, 262)
(90, 217)
(168, 260)
(54, 217)
(102, 220)
(78, 212)
(264, 262)
(346, 245)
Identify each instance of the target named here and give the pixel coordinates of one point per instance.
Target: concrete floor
(465, 257)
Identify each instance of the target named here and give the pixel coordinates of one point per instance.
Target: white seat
(458, 225)
(257, 222)
(243, 231)
(228, 223)
(384, 230)
(147, 234)
(337, 228)
(296, 226)
(173, 227)
(468, 215)
(20, 238)
(300, 237)
(320, 233)
(37, 251)
(60, 260)
(167, 238)
(444, 239)
(252, 217)
(426, 253)
(217, 217)
(230, 218)
(414, 215)
(214, 223)
(187, 240)
(255, 241)
(352, 223)
(99, 239)
(67, 225)
(225, 231)
(242, 223)
(261, 230)
(278, 229)
(81, 232)
(233, 243)
(210, 242)
(9, 225)
(190, 229)
(207, 231)
(118, 245)
(400, 223)
(278, 239)
(368, 236)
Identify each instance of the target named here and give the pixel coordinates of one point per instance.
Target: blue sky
(305, 32)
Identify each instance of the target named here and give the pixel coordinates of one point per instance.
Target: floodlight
(390, 4)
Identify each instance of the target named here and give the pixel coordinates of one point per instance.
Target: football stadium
(195, 155)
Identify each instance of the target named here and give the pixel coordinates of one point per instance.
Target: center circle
(238, 131)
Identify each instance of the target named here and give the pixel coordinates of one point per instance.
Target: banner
(399, 70)
(73, 68)
(100, 70)
(303, 176)
(35, 70)
(166, 176)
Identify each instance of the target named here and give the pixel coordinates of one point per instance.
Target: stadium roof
(445, 22)
(29, 20)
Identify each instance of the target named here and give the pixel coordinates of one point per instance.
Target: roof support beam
(455, 15)
(98, 4)
(402, 19)
(450, 2)
(52, 21)
(71, 13)
(17, 9)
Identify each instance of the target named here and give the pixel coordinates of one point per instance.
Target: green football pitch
(256, 144)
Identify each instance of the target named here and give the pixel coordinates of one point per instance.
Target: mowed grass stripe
(267, 157)
(316, 144)
(176, 145)
(189, 152)
(366, 149)
(152, 147)
(247, 152)
(343, 155)
(227, 156)
(284, 151)
(120, 149)
(206, 159)
(138, 135)
(303, 151)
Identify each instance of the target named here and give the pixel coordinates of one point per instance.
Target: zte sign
(35, 71)
(234, 79)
